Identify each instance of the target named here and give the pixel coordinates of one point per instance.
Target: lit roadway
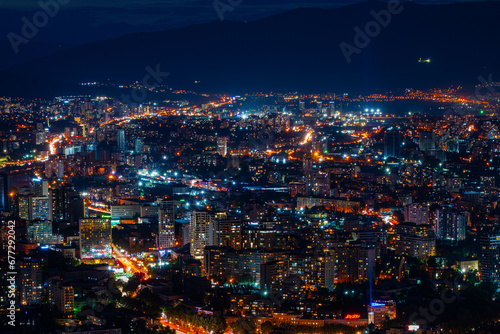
(23, 162)
(181, 329)
(185, 111)
(193, 183)
(178, 329)
(128, 263)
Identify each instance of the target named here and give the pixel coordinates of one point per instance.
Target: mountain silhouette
(299, 50)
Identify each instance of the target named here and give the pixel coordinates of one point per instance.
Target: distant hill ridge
(298, 51)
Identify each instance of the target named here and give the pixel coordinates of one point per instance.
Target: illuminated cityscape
(129, 206)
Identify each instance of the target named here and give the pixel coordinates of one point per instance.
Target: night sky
(82, 21)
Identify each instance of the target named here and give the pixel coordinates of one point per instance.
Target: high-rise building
(354, 261)
(228, 262)
(185, 236)
(331, 108)
(450, 224)
(166, 225)
(417, 213)
(297, 188)
(258, 238)
(490, 257)
(453, 145)
(55, 168)
(200, 232)
(216, 261)
(66, 204)
(125, 212)
(24, 207)
(271, 276)
(31, 281)
(39, 137)
(138, 146)
(5, 199)
(226, 233)
(120, 140)
(427, 140)
(487, 181)
(392, 145)
(64, 297)
(95, 238)
(40, 231)
(35, 208)
(308, 267)
(42, 208)
(40, 187)
(330, 265)
(307, 164)
(381, 310)
(415, 240)
(222, 145)
(318, 183)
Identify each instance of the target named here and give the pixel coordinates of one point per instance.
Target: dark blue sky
(82, 21)
(33, 4)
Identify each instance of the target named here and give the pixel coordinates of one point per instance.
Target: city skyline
(224, 167)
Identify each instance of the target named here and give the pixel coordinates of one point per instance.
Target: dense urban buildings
(95, 239)
(150, 208)
(325, 221)
(166, 227)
